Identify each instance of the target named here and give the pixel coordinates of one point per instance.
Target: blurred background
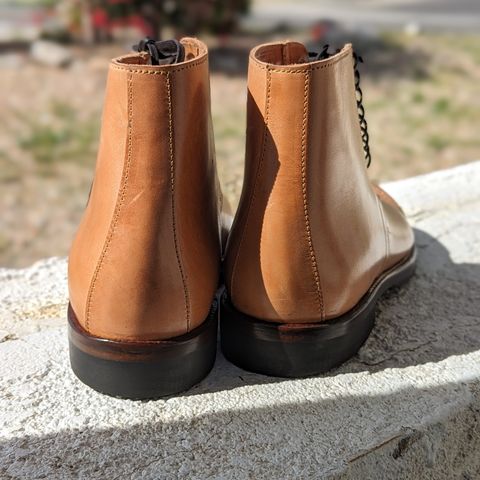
(420, 78)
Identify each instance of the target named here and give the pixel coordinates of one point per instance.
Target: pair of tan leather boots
(312, 247)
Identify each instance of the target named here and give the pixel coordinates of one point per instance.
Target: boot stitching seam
(158, 72)
(118, 206)
(313, 260)
(172, 188)
(305, 69)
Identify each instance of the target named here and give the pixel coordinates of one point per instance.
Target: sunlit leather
(145, 262)
(311, 234)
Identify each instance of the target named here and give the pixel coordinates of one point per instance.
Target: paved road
(440, 15)
(436, 15)
(18, 22)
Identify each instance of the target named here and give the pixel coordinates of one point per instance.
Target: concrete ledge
(407, 406)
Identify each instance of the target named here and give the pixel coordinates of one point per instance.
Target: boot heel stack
(142, 370)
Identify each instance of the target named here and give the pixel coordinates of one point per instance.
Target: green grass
(441, 106)
(59, 136)
(418, 97)
(437, 143)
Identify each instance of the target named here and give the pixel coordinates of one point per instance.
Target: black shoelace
(313, 56)
(162, 52)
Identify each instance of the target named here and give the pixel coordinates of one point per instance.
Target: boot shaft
(147, 250)
(309, 236)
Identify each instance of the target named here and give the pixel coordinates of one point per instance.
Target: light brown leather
(145, 262)
(311, 234)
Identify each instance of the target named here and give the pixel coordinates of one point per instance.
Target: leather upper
(311, 234)
(145, 261)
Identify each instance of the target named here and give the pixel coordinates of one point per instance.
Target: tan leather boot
(314, 244)
(144, 266)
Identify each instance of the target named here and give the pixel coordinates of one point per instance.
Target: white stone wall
(406, 407)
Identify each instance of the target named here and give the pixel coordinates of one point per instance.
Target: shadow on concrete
(363, 434)
(434, 316)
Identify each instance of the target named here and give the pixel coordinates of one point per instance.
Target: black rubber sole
(302, 350)
(143, 370)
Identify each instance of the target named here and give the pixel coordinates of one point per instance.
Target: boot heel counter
(271, 265)
(131, 275)
(272, 288)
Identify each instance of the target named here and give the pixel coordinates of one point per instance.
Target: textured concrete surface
(407, 406)
(32, 299)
